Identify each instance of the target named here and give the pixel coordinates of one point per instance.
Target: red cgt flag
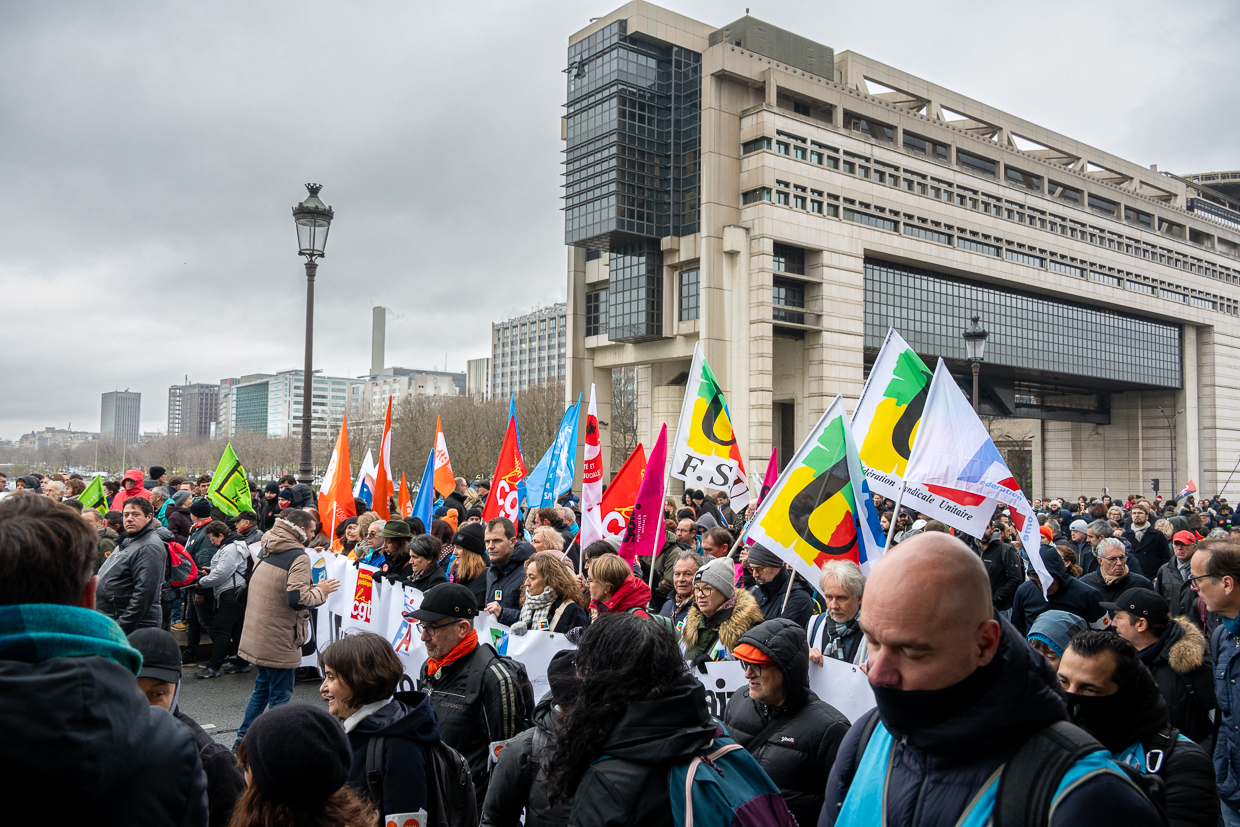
(619, 497)
(503, 499)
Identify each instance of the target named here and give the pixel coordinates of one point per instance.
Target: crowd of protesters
(1107, 696)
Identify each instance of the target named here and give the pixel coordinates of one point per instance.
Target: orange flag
(383, 476)
(619, 497)
(445, 483)
(503, 498)
(336, 493)
(403, 503)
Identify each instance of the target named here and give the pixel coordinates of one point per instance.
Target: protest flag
(383, 474)
(884, 425)
(364, 488)
(95, 497)
(810, 516)
(229, 491)
(618, 499)
(424, 502)
(553, 475)
(336, 492)
(771, 475)
(504, 498)
(643, 533)
(445, 482)
(403, 504)
(953, 449)
(705, 452)
(591, 479)
(1191, 488)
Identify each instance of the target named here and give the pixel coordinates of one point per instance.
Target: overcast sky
(150, 153)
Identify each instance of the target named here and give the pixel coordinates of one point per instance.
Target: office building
(270, 404)
(368, 395)
(478, 378)
(52, 437)
(784, 204)
(193, 410)
(121, 418)
(528, 350)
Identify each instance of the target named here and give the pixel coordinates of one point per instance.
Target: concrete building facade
(528, 350)
(784, 205)
(193, 410)
(478, 378)
(368, 396)
(270, 404)
(121, 418)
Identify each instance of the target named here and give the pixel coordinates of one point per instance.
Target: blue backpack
(725, 787)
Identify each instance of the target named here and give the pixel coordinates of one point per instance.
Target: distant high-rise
(478, 378)
(122, 416)
(192, 410)
(528, 350)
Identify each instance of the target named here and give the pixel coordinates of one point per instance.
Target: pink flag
(643, 536)
(772, 474)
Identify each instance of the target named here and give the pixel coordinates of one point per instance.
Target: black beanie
(471, 537)
(158, 471)
(297, 754)
(272, 488)
(201, 508)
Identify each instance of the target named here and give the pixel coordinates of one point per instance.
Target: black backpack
(450, 796)
(515, 670)
(1029, 781)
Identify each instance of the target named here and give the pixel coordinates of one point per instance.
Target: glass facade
(1027, 332)
(596, 312)
(690, 295)
(250, 406)
(635, 292)
(633, 150)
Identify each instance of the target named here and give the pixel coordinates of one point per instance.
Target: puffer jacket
(770, 599)
(935, 772)
(629, 785)
(118, 502)
(725, 627)
(228, 566)
(1180, 664)
(278, 601)
(1071, 595)
(131, 580)
(518, 782)
(798, 753)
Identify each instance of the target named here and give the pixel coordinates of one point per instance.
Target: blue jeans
(272, 687)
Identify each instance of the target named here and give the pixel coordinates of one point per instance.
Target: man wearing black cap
(772, 576)
(1176, 653)
(478, 698)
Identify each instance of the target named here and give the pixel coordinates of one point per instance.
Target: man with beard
(959, 693)
(1113, 696)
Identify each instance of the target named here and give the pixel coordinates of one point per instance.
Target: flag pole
(1229, 476)
(788, 592)
(895, 515)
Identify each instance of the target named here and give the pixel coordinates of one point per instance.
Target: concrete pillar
(735, 262)
(1039, 461)
(1189, 399)
(772, 88)
(761, 351)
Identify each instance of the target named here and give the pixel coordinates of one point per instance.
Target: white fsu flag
(591, 479)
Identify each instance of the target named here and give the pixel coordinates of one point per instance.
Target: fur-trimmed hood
(741, 618)
(1188, 653)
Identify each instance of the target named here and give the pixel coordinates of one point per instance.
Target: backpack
(182, 570)
(516, 671)
(1031, 777)
(725, 787)
(450, 797)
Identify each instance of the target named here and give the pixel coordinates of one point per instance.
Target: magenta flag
(643, 535)
(772, 474)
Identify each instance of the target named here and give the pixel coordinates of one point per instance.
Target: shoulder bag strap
(754, 743)
(374, 770)
(1031, 777)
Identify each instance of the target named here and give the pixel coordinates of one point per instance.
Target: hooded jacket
(798, 753)
(518, 781)
(408, 727)
(629, 785)
(770, 599)
(935, 772)
(506, 580)
(131, 580)
(228, 566)
(278, 601)
(79, 736)
(303, 495)
(1072, 596)
(138, 490)
(632, 596)
(1180, 664)
(700, 634)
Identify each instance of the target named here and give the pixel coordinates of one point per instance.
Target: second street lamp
(314, 219)
(975, 346)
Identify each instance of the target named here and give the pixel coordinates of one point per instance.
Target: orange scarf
(468, 644)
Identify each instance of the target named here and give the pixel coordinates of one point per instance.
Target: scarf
(467, 645)
(35, 632)
(1110, 580)
(535, 611)
(837, 637)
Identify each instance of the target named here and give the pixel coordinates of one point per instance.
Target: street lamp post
(313, 219)
(1171, 428)
(975, 345)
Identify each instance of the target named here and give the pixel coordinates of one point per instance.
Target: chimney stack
(377, 340)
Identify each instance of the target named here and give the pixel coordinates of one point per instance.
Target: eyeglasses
(746, 666)
(1112, 559)
(705, 591)
(1191, 582)
(431, 630)
(372, 534)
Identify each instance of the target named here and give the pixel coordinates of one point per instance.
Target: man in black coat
(790, 730)
(1172, 581)
(506, 572)
(1003, 566)
(1149, 545)
(1113, 577)
(771, 576)
(1067, 594)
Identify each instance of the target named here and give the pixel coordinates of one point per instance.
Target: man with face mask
(958, 693)
(1113, 696)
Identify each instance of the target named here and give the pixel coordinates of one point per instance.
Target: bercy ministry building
(785, 204)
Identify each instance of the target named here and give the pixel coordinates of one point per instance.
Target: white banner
(534, 649)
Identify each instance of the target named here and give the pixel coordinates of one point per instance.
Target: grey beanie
(720, 574)
(762, 556)
(708, 522)
(180, 497)
(1078, 525)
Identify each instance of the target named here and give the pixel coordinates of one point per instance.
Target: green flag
(94, 496)
(229, 491)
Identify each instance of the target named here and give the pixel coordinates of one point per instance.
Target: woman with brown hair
(1070, 560)
(550, 600)
(296, 760)
(443, 532)
(614, 588)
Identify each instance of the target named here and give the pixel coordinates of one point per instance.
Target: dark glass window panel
(690, 296)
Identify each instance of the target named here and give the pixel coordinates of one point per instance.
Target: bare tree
(623, 413)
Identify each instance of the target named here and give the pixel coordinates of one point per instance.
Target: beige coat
(278, 601)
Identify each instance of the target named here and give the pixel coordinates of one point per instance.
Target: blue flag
(424, 501)
(554, 473)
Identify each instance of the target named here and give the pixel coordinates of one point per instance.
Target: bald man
(958, 691)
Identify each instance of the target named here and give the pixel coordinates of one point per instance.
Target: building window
(926, 233)
(798, 201)
(788, 259)
(976, 163)
(788, 293)
(596, 312)
(1102, 206)
(798, 152)
(1024, 180)
(753, 196)
(756, 145)
(800, 108)
(781, 147)
(815, 157)
(690, 296)
(815, 207)
(781, 197)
